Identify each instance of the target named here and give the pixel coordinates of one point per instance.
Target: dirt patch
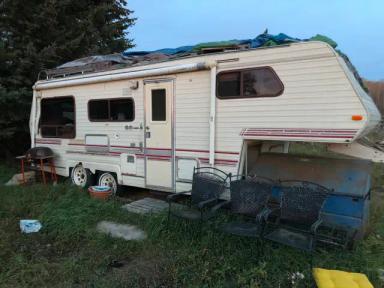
(141, 271)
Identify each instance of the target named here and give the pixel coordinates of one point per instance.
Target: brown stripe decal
(157, 149)
(48, 141)
(227, 162)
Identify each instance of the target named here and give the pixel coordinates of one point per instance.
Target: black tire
(81, 176)
(109, 179)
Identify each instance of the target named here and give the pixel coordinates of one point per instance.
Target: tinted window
(159, 105)
(229, 84)
(98, 110)
(57, 118)
(110, 110)
(122, 110)
(257, 82)
(261, 83)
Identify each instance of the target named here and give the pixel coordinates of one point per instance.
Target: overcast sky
(356, 25)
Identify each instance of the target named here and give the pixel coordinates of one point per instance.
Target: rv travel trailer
(150, 123)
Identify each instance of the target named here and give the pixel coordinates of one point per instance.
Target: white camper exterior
(189, 125)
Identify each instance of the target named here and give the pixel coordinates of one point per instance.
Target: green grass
(68, 251)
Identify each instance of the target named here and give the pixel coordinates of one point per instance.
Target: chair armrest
(220, 205)
(173, 197)
(202, 204)
(316, 225)
(264, 215)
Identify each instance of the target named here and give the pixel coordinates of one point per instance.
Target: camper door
(159, 154)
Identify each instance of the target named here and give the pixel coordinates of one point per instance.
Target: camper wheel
(81, 176)
(108, 179)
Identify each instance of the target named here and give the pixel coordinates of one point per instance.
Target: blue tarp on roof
(264, 39)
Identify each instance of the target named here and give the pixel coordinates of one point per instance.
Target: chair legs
(42, 171)
(53, 171)
(22, 170)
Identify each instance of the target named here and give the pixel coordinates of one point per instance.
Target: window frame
(74, 116)
(241, 71)
(109, 109)
(166, 107)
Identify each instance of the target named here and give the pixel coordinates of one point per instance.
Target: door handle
(146, 127)
(147, 134)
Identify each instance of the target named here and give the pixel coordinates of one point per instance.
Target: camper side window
(57, 118)
(248, 83)
(111, 110)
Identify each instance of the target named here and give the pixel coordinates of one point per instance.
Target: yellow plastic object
(340, 279)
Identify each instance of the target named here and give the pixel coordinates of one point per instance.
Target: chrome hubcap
(108, 180)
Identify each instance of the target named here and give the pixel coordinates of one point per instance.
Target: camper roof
(101, 63)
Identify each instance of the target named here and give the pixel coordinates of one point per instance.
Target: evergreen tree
(41, 34)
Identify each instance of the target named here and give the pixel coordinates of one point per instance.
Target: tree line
(41, 34)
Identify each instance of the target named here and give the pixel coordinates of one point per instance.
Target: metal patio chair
(249, 197)
(296, 221)
(208, 185)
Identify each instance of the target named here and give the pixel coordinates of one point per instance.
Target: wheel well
(95, 172)
(99, 172)
(114, 174)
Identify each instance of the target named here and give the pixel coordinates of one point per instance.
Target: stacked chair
(208, 185)
(297, 218)
(249, 197)
(287, 212)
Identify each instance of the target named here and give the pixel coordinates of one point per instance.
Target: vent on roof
(216, 49)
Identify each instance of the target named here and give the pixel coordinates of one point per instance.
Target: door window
(159, 105)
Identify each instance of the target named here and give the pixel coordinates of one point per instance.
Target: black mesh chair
(208, 185)
(249, 197)
(296, 220)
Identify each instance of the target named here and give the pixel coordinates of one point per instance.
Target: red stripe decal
(128, 174)
(97, 154)
(161, 149)
(298, 135)
(302, 129)
(220, 160)
(300, 132)
(206, 151)
(48, 141)
(158, 158)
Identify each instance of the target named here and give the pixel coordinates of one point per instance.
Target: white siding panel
(192, 110)
(317, 95)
